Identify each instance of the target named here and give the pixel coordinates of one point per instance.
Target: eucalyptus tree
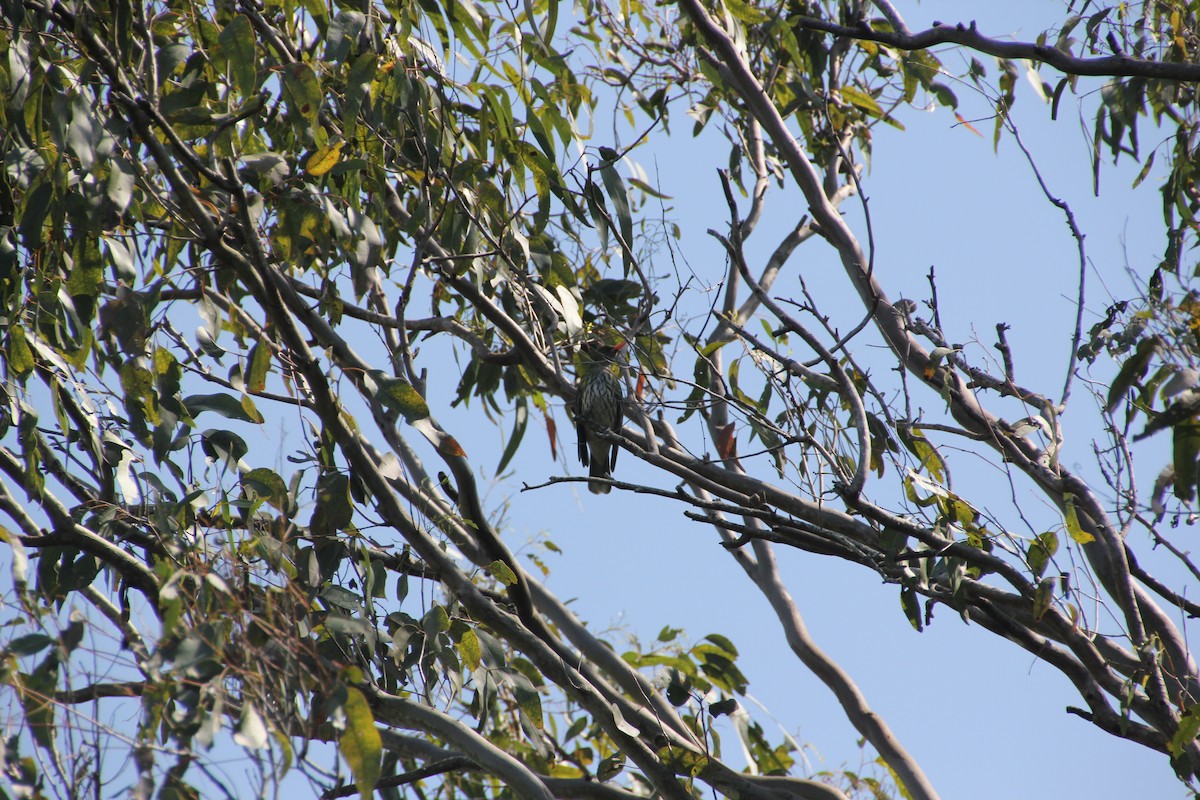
(220, 222)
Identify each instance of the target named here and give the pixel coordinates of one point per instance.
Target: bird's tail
(599, 469)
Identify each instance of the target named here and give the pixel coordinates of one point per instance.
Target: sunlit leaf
(324, 159)
(501, 572)
(1071, 516)
(1041, 550)
(1189, 728)
(360, 744)
(251, 732)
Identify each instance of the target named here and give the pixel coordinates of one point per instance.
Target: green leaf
(268, 485)
(20, 357)
(615, 188)
(943, 94)
(140, 399)
(678, 663)
(723, 643)
(260, 365)
(530, 703)
(1041, 550)
(399, 394)
(610, 767)
(1189, 728)
(252, 412)
(36, 690)
(683, 760)
(1043, 596)
(436, 620)
(226, 405)
(223, 447)
(912, 608)
(361, 745)
(862, 100)
(520, 421)
(343, 34)
(1132, 370)
(727, 706)
(122, 180)
(82, 132)
(334, 509)
(33, 219)
(922, 448)
(302, 90)
(237, 50)
(358, 86)
(501, 572)
(29, 644)
(1185, 445)
(745, 13)
(637, 183)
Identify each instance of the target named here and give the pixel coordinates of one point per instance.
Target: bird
(598, 408)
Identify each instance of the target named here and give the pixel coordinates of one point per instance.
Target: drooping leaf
(1133, 370)
(1042, 598)
(224, 447)
(911, 607)
(923, 449)
(260, 365)
(360, 744)
(20, 357)
(334, 508)
(1041, 550)
(1071, 516)
(469, 650)
(520, 420)
(615, 187)
(251, 732)
(239, 54)
(302, 90)
(1185, 441)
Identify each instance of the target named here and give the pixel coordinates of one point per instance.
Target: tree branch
(1118, 66)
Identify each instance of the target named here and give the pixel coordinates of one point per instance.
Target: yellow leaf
(361, 745)
(323, 160)
(469, 650)
(1072, 517)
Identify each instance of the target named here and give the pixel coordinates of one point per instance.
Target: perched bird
(598, 408)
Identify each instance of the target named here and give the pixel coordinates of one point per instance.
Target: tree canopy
(239, 241)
